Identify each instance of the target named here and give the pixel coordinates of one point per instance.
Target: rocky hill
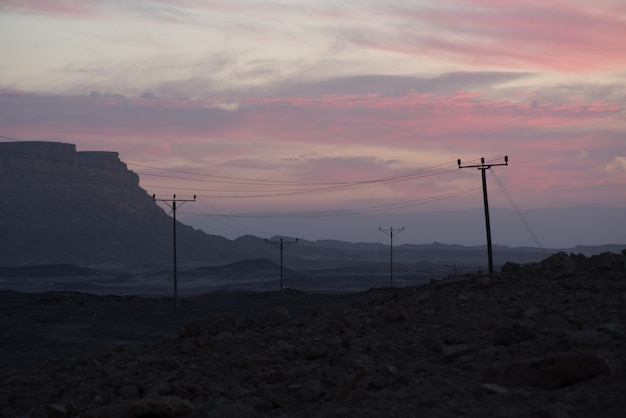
(543, 340)
(85, 208)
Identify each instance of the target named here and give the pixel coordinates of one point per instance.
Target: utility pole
(483, 167)
(391, 232)
(281, 245)
(172, 204)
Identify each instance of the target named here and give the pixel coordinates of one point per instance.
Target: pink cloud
(567, 36)
(558, 35)
(557, 150)
(428, 118)
(55, 7)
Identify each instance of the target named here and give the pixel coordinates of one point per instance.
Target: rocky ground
(541, 340)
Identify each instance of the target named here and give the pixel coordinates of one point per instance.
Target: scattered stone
(553, 411)
(154, 407)
(277, 316)
(550, 372)
(397, 314)
(481, 282)
(543, 340)
(494, 388)
(57, 411)
(128, 392)
(510, 267)
(512, 334)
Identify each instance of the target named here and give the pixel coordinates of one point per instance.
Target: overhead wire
(519, 213)
(220, 217)
(315, 187)
(363, 210)
(285, 188)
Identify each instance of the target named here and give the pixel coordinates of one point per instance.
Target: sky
(319, 106)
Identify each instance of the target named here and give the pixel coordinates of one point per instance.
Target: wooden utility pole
(391, 232)
(281, 245)
(483, 167)
(172, 204)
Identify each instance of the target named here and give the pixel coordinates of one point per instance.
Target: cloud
(564, 36)
(54, 7)
(396, 85)
(529, 35)
(431, 119)
(616, 166)
(366, 129)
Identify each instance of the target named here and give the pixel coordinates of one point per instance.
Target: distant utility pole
(172, 204)
(483, 167)
(281, 245)
(391, 232)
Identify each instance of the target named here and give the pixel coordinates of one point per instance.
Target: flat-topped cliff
(64, 206)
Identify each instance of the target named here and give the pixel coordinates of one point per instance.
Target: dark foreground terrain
(546, 340)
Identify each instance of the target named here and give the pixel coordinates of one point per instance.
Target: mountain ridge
(87, 209)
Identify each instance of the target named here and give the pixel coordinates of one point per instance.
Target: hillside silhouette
(86, 208)
(66, 210)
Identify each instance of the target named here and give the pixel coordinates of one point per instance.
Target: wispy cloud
(325, 90)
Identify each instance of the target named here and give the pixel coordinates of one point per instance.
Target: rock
(532, 311)
(155, 407)
(510, 267)
(510, 350)
(550, 372)
(397, 314)
(57, 411)
(128, 392)
(494, 388)
(432, 342)
(482, 282)
(277, 316)
(465, 296)
(588, 338)
(553, 411)
(512, 334)
(310, 391)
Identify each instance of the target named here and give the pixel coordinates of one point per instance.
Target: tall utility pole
(483, 167)
(391, 232)
(281, 245)
(172, 204)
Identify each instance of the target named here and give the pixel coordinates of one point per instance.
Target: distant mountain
(554, 228)
(86, 208)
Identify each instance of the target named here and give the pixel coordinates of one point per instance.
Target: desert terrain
(544, 339)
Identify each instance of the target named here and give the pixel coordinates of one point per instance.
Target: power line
(294, 187)
(352, 211)
(233, 223)
(518, 212)
(221, 218)
(262, 188)
(315, 188)
(435, 170)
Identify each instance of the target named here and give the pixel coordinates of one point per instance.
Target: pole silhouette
(391, 232)
(483, 167)
(281, 245)
(172, 204)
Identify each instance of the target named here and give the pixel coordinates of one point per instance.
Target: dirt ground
(35, 327)
(544, 340)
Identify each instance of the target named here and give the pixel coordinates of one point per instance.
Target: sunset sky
(318, 105)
